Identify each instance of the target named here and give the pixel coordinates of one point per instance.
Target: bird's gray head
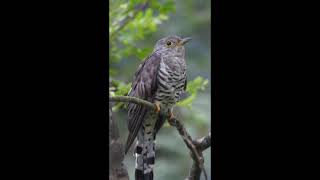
(173, 45)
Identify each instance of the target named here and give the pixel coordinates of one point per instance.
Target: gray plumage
(161, 79)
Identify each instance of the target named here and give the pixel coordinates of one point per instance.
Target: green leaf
(192, 88)
(187, 102)
(124, 6)
(112, 72)
(167, 7)
(123, 89)
(143, 53)
(111, 93)
(196, 84)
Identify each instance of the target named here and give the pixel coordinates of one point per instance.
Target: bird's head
(172, 44)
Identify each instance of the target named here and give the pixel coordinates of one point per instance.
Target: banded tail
(145, 155)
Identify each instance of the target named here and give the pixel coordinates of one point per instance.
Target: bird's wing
(144, 86)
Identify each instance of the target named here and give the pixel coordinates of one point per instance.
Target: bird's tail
(145, 156)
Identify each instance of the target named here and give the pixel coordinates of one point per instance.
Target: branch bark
(117, 170)
(195, 146)
(201, 145)
(132, 100)
(196, 152)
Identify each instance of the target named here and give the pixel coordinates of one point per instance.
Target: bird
(160, 79)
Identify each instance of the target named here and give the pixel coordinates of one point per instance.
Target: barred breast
(171, 80)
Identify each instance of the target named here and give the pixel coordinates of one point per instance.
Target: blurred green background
(135, 27)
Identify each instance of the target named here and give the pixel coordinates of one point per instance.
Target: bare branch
(201, 144)
(196, 154)
(132, 100)
(204, 142)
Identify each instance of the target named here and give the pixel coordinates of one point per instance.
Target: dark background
(55, 90)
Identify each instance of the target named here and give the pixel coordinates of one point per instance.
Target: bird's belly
(149, 123)
(170, 85)
(168, 96)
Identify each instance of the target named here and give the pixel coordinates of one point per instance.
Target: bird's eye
(169, 43)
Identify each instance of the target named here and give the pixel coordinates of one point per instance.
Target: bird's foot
(157, 107)
(171, 116)
(171, 119)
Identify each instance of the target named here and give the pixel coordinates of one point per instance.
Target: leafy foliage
(130, 22)
(121, 89)
(199, 83)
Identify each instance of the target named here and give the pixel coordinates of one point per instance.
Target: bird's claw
(171, 116)
(157, 107)
(171, 119)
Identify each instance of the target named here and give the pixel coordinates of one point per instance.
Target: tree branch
(132, 100)
(201, 144)
(117, 170)
(195, 146)
(196, 153)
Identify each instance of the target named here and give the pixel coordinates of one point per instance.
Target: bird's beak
(185, 40)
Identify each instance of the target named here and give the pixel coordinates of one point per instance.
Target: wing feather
(144, 86)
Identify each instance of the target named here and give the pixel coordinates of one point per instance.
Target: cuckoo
(160, 79)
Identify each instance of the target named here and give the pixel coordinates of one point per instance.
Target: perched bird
(160, 79)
